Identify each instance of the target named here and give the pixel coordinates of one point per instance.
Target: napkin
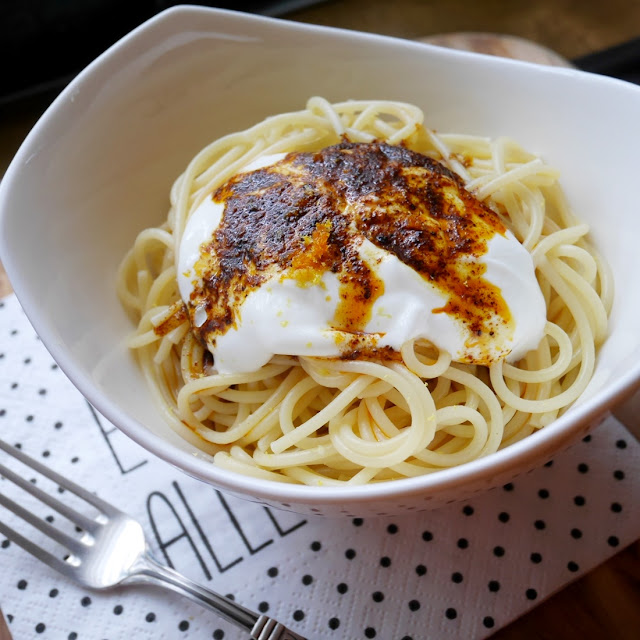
(462, 571)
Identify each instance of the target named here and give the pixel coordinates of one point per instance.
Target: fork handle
(260, 627)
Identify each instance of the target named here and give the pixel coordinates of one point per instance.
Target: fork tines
(73, 544)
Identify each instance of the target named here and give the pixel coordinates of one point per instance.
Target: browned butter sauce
(308, 214)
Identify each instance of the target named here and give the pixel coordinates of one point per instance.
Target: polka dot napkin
(459, 572)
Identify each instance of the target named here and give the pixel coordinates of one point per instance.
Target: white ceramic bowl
(97, 168)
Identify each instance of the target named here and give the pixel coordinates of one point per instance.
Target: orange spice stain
(308, 266)
(178, 316)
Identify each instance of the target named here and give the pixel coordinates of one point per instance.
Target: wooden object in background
(4, 630)
(503, 46)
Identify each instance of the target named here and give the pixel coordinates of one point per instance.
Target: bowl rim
(562, 431)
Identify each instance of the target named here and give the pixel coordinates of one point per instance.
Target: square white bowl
(98, 166)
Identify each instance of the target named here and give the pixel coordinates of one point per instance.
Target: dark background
(44, 43)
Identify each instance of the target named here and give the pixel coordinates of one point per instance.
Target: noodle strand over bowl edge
(324, 421)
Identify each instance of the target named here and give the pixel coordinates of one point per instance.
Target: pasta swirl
(332, 422)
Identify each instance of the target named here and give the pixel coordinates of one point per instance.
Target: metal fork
(112, 551)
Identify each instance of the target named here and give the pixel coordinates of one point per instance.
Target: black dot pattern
(494, 586)
(378, 575)
(488, 622)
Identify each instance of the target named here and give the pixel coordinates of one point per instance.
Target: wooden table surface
(606, 602)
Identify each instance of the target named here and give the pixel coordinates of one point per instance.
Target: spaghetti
(331, 421)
